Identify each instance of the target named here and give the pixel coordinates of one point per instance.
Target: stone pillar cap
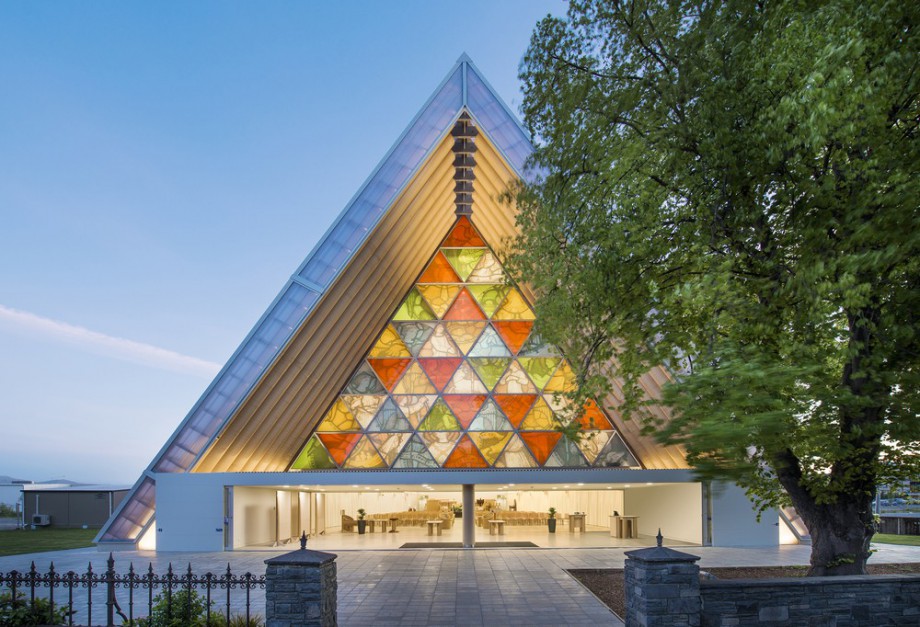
(304, 556)
(660, 554)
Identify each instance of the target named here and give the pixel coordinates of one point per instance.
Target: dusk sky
(164, 168)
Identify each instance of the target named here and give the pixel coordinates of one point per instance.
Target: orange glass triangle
(515, 406)
(541, 444)
(440, 369)
(466, 455)
(439, 271)
(593, 417)
(465, 406)
(464, 308)
(464, 234)
(389, 370)
(339, 445)
(514, 332)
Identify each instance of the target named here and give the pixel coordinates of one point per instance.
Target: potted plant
(458, 511)
(552, 520)
(362, 524)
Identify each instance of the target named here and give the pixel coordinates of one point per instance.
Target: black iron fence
(124, 597)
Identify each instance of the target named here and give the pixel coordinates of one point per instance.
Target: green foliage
(552, 512)
(731, 189)
(8, 511)
(189, 609)
(22, 612)
(361, 514)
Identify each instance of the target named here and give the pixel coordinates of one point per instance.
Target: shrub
(20, 611)
(190, 611)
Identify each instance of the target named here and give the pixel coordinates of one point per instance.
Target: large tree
(731, 189)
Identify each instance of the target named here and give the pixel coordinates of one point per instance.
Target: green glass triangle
(539, 369)
(389, 419)
(415, 455)
(414, 308)
(490, 418)
(440, 418)
(536, 346)
(414, 334)
(490, 369)
(314, 456)
(566, 455)
(364, 381)
(463, 260)
(489, 297)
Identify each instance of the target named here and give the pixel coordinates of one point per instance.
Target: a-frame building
(400, 355)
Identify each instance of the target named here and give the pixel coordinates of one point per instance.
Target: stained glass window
(458, 379)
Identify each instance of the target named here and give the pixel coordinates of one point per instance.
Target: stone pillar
(301, 588)
(469, 517)
(662, 587)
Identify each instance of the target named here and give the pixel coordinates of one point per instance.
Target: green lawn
(19, 541)
(890, 538)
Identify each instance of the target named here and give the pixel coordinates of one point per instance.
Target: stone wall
(812, 601)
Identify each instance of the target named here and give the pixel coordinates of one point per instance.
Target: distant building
(69, 505)
(11, 491)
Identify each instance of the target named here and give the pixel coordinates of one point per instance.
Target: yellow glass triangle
(363, 406)
(488, 270)
(365, 456)
(439, 297)
(490, 443)
(415, 381)
(539, 418)
(463, 260)
(563, 380)
(390, 345)
(414, 308)
(338, 419)
(465, 334)
(489, 297)
(514, 308)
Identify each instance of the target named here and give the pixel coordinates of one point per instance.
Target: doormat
(459, 545)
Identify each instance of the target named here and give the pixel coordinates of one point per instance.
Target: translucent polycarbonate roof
(462, 89)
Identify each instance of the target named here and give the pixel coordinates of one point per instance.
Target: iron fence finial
(303, 541)
(659, 537)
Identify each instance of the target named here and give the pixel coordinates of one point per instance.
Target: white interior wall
(283, 500)
(677, 509)
(599, 505)
(253, 516)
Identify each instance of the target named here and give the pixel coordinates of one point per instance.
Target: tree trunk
(840, 537)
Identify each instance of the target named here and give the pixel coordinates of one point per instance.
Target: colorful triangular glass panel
(363, 406)
(514, 332)
(465, 381)
(463, 234)
(440, 370)
(489, 297)
(415, 406)
(563, 380)
(466, 455)
(489, 344)
(463, 260)
(389, 345)
(440, 419)
(339, 445)
(515, 406)
(389, 418)
(389, 445)
(440, 443)
(439, 271)
(464, 308)
(337, 419)
(365, 456)
(465, 334)
(465, 406)
(539, 418)
(488, 270)
(559, 402)
(415, 455)
(364, 381)
(414, 382)
(592, 443)
(514, 308)
(490, 418)
(389, 370)
(314, 456)
(566, 455)
(490, 443)
(515, 455)
(515, 381)
(439, 344)
(616, 455)
(593, 418)
(439, 297)
(414, 334)
(489, 369)
(540, 369)
(414, 308)
(541, 444)
(536, 346)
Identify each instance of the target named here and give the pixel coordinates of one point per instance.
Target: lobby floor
(450, 587)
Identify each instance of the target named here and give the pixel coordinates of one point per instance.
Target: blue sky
(164, 167)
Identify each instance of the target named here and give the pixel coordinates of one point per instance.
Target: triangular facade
(456, 377)
(378, 355)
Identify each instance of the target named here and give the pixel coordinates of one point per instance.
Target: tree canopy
(732, 189)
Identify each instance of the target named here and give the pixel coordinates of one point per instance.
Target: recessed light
(581, 484)
(626, 486)
(355, 485)
(565, 486)
(610, 487)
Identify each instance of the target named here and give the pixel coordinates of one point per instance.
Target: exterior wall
(190, 513)
(838, 601)
(734, 521)
(253, 516)
(72, 509)
(676, 509)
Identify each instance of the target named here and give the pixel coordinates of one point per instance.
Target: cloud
(100, 343)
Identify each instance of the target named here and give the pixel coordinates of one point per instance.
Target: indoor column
(469, 517)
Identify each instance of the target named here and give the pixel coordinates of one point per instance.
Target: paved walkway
(450, 587)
